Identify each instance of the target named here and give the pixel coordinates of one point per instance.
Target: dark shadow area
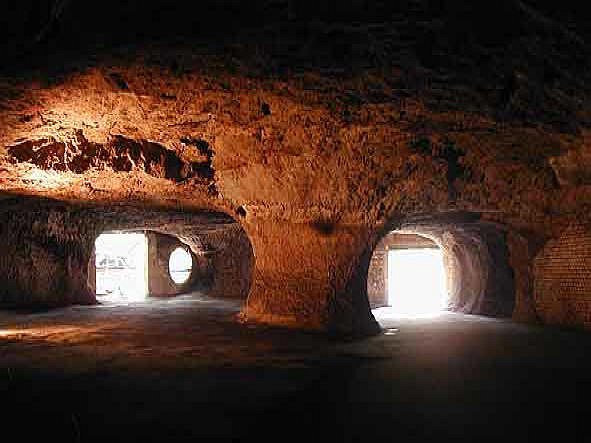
(183, 368)
(494, 54)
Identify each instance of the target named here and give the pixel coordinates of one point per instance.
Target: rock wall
(230, 258)
(45, 259)
(160, 284)
(119, 154)
(317, 135)
(480, 278)
(50, 250)
(377, 278)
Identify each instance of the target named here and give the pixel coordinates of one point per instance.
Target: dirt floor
(185, 369)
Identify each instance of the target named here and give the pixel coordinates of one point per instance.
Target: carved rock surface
(120, 154)
(318, 129)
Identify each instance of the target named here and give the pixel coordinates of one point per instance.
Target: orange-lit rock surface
(317, 136)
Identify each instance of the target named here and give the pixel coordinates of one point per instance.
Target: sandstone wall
(49, 245)
(230, 257)
(316, 134)
(480, 277)
(160, 284)
(45, 258)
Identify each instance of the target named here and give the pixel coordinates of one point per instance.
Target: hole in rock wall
(180, 265)
(59, 254)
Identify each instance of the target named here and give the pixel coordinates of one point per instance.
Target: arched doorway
(415, 276)
(50, 252)
(408, 276)
(452, 262)
(167, 255)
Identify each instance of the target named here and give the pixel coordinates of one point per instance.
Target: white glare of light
(46, 179)
(14, 332)
(121, 266)
(42, 332)
(179, 265)
(416, 282)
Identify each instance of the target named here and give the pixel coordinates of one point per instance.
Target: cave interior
(213, 216)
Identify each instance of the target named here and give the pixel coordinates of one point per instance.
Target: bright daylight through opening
(121, 266)
(416, 282)
(179, 266)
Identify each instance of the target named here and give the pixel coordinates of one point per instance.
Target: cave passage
(455, 263)
(121, 266)
(416, 282)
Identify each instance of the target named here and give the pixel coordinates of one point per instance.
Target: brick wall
(562, 278)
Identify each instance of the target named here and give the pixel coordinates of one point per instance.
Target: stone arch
(220, 248)
(480, 278)
(51, 245)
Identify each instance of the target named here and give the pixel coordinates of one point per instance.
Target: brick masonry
(562, 278)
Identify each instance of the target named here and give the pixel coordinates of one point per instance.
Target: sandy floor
(185, 369)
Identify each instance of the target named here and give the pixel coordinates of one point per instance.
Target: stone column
(310, 275)
(521, 256)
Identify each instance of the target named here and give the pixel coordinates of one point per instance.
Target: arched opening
(408, 276)
(152, 260)
(132, 265)
(57, 254)
(454, 262)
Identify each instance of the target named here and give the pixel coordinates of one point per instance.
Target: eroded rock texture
(318, 129)
(50, 251)
(480, 279)
(120, 154)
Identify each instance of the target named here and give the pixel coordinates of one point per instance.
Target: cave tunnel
(63, 254)
(408, 275)
(132, 265)
(353, 221)
(437, 264)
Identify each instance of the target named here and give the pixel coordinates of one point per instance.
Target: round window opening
(180, 265)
